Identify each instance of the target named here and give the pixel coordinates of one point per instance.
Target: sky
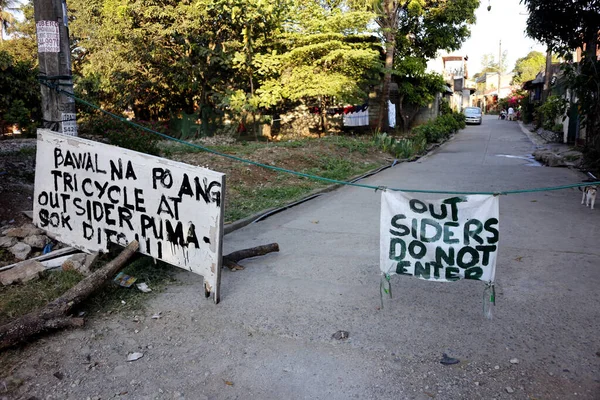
(506, 21)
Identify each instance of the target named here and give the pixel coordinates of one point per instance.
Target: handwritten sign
(443, 239)
(48, 36)
(90, 194)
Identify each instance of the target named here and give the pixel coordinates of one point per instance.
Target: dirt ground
(17, 170)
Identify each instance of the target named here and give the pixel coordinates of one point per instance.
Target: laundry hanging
(391, 114)
(356, 116)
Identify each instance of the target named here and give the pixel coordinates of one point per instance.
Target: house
(460, 88)
(487, 94)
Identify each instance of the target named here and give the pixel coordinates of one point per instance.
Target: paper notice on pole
(69, 124)
(48, 37)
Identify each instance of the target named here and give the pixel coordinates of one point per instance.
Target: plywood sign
(90, 194)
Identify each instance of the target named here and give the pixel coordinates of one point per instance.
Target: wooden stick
(55, 315)
(236, 256)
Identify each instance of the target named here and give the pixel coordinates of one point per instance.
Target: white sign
(439, 239)
(48, 36)
(89, 194)
(69, 124)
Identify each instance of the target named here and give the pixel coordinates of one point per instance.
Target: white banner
(439, 239)
(89, 194)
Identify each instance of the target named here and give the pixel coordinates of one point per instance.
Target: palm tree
(6, 18)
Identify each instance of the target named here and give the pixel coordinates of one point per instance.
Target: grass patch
(361, 145)
(248, 201)
(111, 296)
(18, 300)
(27, 151)
(239, 149)
(245, 201)
(337, 168)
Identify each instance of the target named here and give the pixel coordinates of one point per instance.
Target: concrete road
(271, 336)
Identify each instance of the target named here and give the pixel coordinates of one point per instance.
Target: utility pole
(54, 55)
(547, 75)
(499, 69)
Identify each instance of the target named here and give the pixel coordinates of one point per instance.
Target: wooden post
(54, 54)
(547, 75)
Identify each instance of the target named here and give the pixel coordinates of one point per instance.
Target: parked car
(473, 115)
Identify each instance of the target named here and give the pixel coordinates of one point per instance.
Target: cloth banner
(439, 238)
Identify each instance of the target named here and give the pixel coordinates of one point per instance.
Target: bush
(416, 143)
(555, 107)
(122, 134)
(558, 128)
(461, 119)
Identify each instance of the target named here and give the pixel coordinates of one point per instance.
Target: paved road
(270, 338)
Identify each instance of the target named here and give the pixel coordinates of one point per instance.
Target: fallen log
(55, 315)
(231, 260)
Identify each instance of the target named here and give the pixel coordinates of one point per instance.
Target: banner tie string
(385, 287)
(55, 86)
(489, 299)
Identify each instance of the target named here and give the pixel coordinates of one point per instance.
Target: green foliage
(423, 29)
(22, 45)
(402, 148)
(445, 107)
(549, 112)
(441, 127)
(526, 68)
(527, 110)
(563, 25)
(18, 300)
(112, 297)
(124, 135)
(20, 100)
(416, 143)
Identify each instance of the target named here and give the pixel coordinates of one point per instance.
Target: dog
(589, 196)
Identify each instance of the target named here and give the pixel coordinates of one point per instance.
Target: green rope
(302, 174)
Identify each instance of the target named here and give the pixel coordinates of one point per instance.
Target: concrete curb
(261, 215)
(532, 136)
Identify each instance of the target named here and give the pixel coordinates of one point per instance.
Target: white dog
(589, 196)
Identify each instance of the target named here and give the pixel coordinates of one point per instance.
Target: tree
(527, 68)
(320, 60)
(161, 57)
(22, 45)
(6, 18)
(563, 27)
(490, 64)
(403, 18)
(20, 99)
(423, 31)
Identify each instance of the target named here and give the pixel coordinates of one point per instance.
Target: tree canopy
(563, 25)
(527, 68)
(158, 58)
(20, 99)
